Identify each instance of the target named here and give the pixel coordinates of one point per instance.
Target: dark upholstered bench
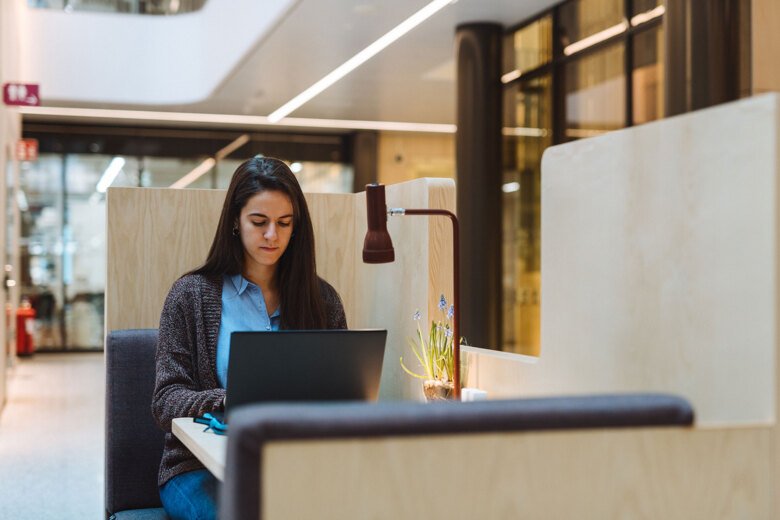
(253, 427)
(134, 442)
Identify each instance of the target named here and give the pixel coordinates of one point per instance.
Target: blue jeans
(191, 496)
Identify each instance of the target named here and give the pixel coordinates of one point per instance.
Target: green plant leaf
(434, 355)
(419, 357)
(413, 374)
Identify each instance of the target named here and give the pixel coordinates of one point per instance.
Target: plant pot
(436, 390)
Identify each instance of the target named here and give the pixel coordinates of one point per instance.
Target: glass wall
(595, 92)
(584, 22)
(528, 120)
(648, 75)
(584, 68)
(531, 46)
(63, 231)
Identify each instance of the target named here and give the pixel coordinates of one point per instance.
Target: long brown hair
(301, 304)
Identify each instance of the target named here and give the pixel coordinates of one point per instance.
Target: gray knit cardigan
(186, 378)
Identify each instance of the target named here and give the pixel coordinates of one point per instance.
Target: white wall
(140, 59)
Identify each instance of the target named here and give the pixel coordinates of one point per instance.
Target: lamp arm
(455, 285)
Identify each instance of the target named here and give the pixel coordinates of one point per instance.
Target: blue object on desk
(212, 423)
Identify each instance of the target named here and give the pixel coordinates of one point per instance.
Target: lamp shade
(377, 247)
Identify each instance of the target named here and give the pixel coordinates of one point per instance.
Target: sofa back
(292, 460)
(134, 442)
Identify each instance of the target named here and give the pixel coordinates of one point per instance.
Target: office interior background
(155, 88)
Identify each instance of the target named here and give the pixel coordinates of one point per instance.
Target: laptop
(304, 365)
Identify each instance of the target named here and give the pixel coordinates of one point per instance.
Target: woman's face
(266, 225)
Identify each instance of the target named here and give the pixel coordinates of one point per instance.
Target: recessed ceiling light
(652, 14)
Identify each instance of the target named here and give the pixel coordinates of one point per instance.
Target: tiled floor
(51, 439)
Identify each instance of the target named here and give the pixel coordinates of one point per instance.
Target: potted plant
(434, 352)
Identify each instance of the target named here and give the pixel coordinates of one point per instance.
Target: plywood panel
(164, 233)
(334, 231)
(606, 474)
(154, 236)
(391, 293)
(660, 265)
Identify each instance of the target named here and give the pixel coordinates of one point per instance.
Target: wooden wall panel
(389, 294)
(334, 231)
(154, 236)
(672, 473)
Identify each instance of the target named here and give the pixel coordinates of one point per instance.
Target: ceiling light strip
(358, 59)
(204, 167)
(390, 126)
(521, 131)
(652, 14)
(195, 174)
(232, 119)
(511, 76)
(232, 147)
(593, 39)
(109, 176)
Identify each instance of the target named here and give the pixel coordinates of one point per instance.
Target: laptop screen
(304, 365)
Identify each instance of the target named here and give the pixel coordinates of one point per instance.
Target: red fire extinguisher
(25, 315)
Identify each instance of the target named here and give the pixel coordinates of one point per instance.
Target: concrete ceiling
(413, 80)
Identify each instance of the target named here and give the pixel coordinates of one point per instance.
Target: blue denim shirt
(243, 309)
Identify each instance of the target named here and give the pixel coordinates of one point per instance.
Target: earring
(235, 231)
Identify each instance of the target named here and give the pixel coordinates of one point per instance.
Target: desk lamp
(378, 249)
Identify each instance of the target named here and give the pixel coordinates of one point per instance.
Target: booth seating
(134, 442)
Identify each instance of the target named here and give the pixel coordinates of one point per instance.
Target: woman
(260, 274)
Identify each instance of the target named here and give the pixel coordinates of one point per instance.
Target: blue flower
(417, 315)
(448, 333)
(451, 312)
(442, 303)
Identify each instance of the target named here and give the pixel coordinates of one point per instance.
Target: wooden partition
(660, 263)
(611, 474)
(155, 235)
(660, 259)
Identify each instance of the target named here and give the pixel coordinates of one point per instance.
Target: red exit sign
(27, 150)
(26, 94)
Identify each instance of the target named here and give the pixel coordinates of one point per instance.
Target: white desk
(208, 447)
